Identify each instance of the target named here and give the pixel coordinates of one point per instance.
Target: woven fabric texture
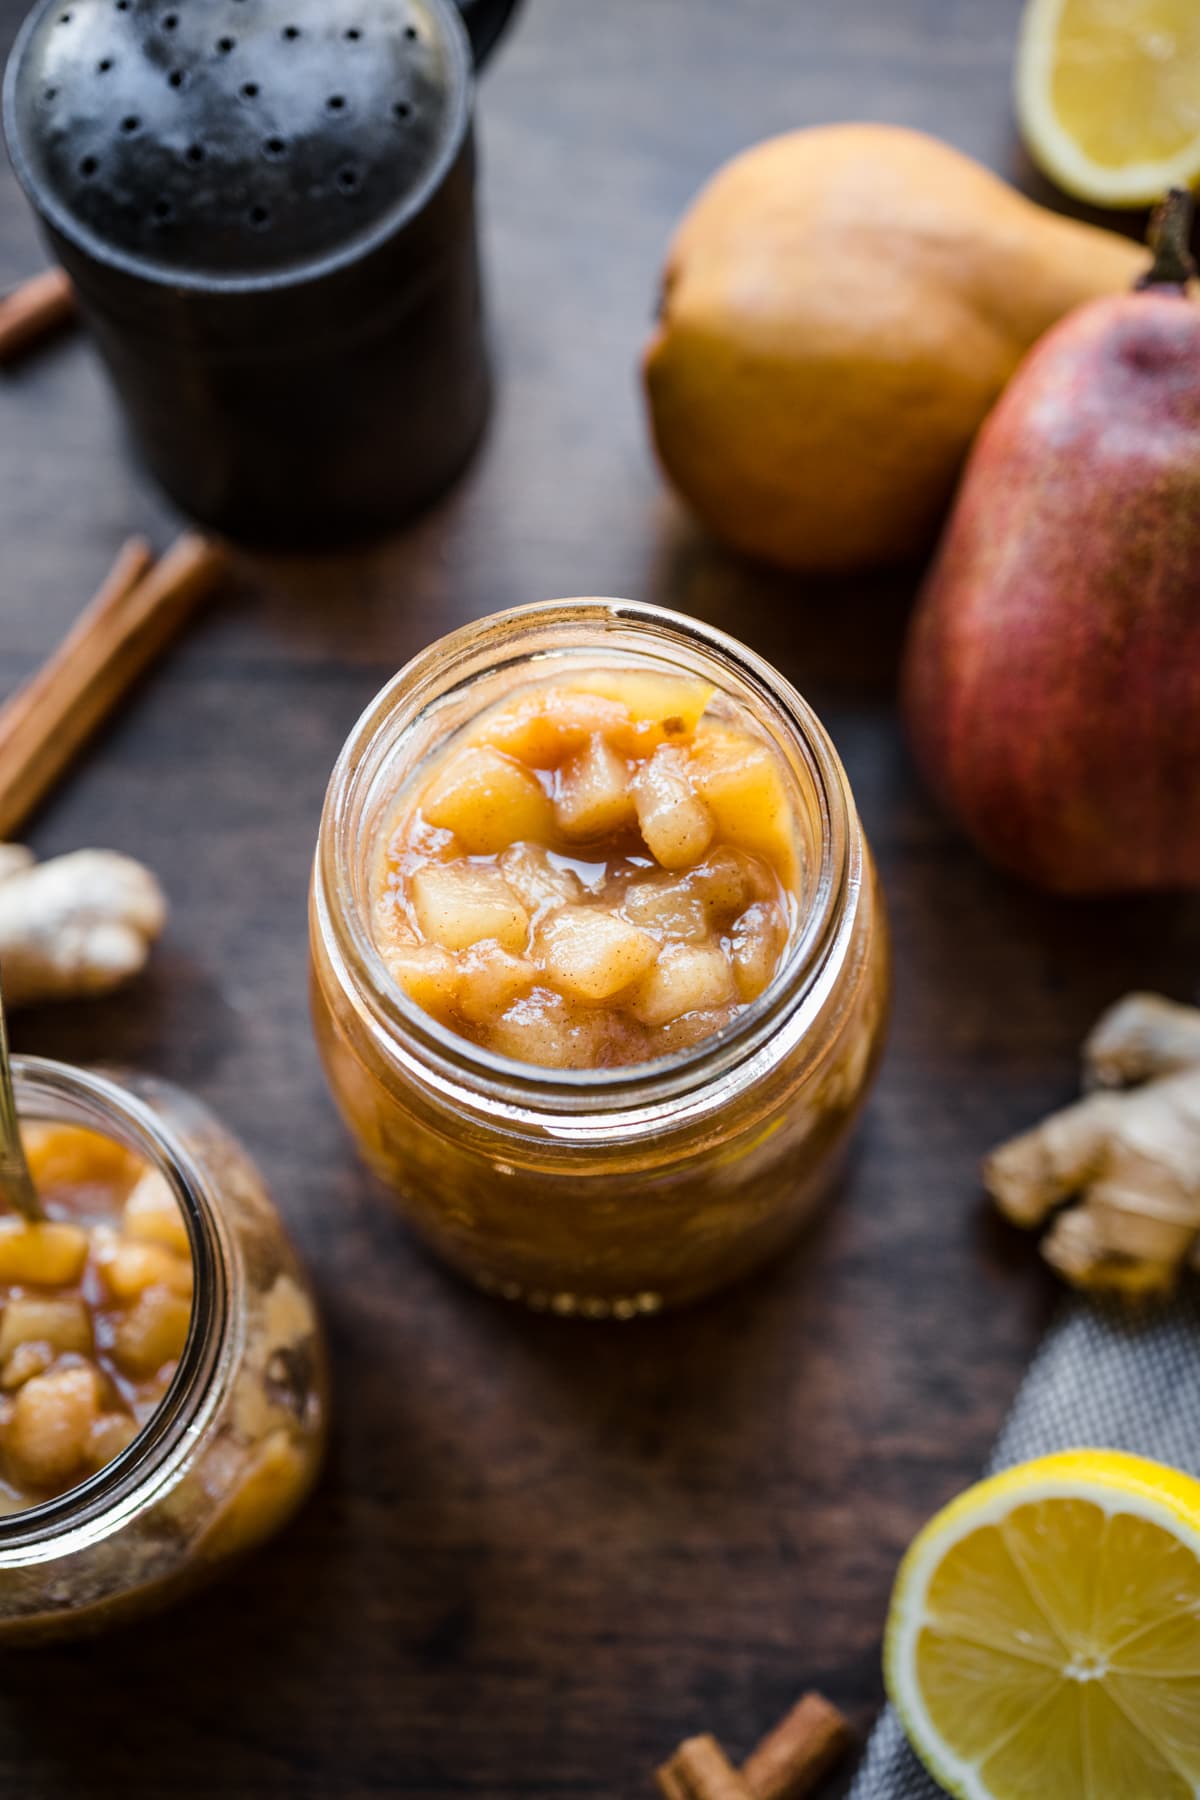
(1102, 1379)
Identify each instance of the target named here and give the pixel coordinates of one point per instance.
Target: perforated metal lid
(224, 142)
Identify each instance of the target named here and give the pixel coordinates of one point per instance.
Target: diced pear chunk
(26, 1361)
(690, 1029)
(152, 1332)
(429, 975)
(393, 928)
(727, 880)
(536, 882)
(47, 1437)
(677, 826)
(64, 1324)
(73, 1156)
(111, 1433)
(488, 800)
(755, 944)
(152, 1215)
(594, 797)
(543, 1028)
(593, 954)
(543, 728)
(289, 1317)
(667, 905)
(687, 978)
(458, 904)
(663, 709)
(48, 1254)
(128, 1268)
(491, 979)
(743, 786)
(262, 1497)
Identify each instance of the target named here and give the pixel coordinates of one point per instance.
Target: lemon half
(1044, 1636)
(1108, 96)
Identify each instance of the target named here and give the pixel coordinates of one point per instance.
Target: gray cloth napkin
(1101, 1379)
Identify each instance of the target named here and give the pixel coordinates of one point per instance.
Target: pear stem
(1169, 240)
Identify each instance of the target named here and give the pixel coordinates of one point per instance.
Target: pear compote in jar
(162, 1372)
(600, 965)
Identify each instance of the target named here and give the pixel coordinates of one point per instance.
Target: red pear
(1052, 676)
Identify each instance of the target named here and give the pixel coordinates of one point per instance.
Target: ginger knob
(77, 925)
(1120, 1170)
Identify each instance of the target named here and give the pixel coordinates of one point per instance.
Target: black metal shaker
(267, 209)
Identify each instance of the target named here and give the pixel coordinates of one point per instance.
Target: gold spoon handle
(16, 1183)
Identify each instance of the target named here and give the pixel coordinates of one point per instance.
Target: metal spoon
(16, 1183)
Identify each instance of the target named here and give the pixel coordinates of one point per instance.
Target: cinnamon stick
(788, 1764)
(136, 612)
(700, 1770)
(33, 310)
(802, 1749)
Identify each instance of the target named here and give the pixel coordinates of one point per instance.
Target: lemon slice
(1108, 95)
(1044, 1637)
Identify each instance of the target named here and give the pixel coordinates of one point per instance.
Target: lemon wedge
(1108, 96)
(1044, 1636)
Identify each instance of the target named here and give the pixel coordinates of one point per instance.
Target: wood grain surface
(544, 1551)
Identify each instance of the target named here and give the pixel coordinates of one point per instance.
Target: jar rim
(107, 1103)
(445, 1055)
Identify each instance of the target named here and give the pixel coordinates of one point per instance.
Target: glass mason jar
(600, 1192)
(236, 1441)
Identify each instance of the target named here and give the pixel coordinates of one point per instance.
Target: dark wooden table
(542, 1551)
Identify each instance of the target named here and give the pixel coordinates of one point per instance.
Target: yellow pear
(840, 308)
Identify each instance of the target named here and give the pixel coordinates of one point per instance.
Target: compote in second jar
(95, 1305)
(602, 869)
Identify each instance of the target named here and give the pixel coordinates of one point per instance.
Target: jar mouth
(614, 631)
(60, 1093)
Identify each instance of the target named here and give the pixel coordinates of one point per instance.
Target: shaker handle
(486, 21)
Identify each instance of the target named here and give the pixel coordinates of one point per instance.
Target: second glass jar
(235, 1443)
(600, 1192)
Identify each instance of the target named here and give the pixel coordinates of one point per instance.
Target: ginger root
(1130, 1152)
(76, 925)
